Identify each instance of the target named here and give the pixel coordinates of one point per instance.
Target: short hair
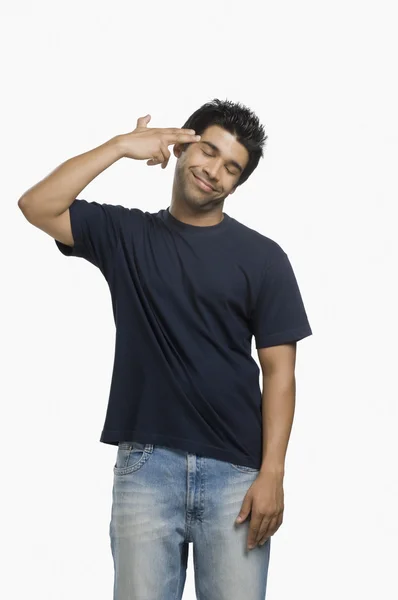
(239, 120)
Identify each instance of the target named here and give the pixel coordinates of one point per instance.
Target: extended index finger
(177, 130)
(174, 135)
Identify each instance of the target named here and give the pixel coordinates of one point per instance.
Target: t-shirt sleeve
(96, 230)
(279, 316)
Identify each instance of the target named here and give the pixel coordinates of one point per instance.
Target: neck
(200, 218)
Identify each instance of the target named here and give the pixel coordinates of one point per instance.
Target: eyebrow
(232, 162)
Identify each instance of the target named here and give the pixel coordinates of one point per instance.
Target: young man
(198, 442)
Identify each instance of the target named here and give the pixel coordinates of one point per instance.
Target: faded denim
(164, 499)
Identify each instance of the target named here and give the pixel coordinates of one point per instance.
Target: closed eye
(212, 155)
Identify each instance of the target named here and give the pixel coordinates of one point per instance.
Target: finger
(155, 161)
(253, 531)
(181, 138)
(268, 530)
(262, 542)
(157, 158)
(166, 153)
(263, 529)
(143, 121)
(177, 131)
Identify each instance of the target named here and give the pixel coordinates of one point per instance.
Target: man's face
(218, 159)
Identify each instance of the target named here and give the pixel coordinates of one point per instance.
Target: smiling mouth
(202, 185)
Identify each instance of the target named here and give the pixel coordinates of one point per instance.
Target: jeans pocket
(131, 456)
(244, 469)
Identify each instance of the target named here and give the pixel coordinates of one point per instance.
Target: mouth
(203, 185)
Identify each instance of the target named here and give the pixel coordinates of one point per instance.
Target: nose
(211, 169)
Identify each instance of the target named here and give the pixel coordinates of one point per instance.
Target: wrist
(118, 142)
(272, 468)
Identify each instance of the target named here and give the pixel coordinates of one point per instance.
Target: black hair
(238, 120)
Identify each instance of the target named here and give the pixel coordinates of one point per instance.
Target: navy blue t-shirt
(187, 301)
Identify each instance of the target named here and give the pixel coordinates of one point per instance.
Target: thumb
(143, 121)
(245, 510)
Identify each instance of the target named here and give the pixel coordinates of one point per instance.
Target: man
(198, 443)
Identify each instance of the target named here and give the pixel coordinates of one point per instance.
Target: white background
(322, 79)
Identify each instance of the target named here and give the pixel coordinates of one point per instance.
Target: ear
(177, 150)
(232, 191)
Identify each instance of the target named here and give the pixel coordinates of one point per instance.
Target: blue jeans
(163, 499)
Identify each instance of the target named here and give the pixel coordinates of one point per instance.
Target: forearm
(278, 404)
(54, 194)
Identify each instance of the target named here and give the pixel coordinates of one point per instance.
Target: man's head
(228, 152)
